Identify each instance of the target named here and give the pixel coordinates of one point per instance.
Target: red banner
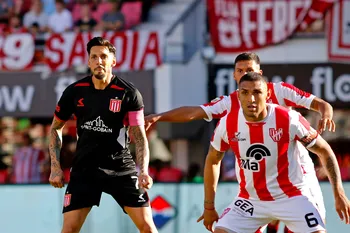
(339, 32)
(136, 50)
(241, 25)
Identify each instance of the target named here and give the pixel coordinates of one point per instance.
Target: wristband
(209, 208)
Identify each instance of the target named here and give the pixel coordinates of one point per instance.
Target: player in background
(266, 141)
(107, 108)
(282, 94)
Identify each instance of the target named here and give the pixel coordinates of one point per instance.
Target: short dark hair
(248, 56)
(252, 77)
(99, 41)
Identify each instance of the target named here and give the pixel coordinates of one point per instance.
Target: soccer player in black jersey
(106, 108)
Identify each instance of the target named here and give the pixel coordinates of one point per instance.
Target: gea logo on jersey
(244, 207)
(255, 153)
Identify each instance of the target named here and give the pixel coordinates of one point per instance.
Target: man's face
(253, 96)
(101, 61)
(243, 67)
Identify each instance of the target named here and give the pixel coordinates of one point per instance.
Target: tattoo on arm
(333, 170)
(55, 143)
(216, 155)
(141, 144)
(328, 160)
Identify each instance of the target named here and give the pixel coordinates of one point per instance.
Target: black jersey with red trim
(102, 124)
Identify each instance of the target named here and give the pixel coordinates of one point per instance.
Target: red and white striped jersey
(283, 94)
(267, 152)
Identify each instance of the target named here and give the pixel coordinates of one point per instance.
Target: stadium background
(177, 52)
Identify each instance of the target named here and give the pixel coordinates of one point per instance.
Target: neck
(101, 84)
(258, 118)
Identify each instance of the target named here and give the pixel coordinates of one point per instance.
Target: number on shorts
(311, 222)
(137, 181)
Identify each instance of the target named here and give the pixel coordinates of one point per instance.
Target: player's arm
(55, 145)
(309, 137)
(217, 108)
(326, 111)
(137, 129)
(63, 112)
(181, 114)
(141, 144)
(330, 164)
(211, 176)
(294, 97)
(219, 144)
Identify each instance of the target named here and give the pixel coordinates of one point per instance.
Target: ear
(114, 62)
(268, 93)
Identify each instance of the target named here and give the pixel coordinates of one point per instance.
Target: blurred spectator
(20, 7)
(28, 164)
(146, 6)
(169, 173)
(113, 20)
(154, 167)
(85, 22)
(49, 6)
(5, 8)
(14, 25)
(194, 173)
(35, 20)
(228, 172)
(4, 176)
(61, 20)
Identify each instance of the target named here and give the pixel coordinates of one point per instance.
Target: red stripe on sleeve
(296, 90)
(257, 136)
(232, 127)
(282, 121)
(273, 97)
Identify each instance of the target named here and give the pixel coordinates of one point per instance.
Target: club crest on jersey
(115, 105)
(276, 134)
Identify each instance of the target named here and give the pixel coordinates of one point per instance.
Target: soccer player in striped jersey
(281, 93)
(266, 139)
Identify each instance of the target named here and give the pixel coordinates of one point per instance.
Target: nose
(99, 60)
(252, 98)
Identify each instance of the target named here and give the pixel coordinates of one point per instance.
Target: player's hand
(56, 178)
(325, 123)
(145, 181)
(342, 206)
(209, 217)
(149, 120)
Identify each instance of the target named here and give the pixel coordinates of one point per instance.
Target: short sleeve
(302, 131)
(217, 108)
(292, 96)
(65, 107)
(219, 139)
(134, 100)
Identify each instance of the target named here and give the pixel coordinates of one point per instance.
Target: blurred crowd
(57, 16)
(24, 156)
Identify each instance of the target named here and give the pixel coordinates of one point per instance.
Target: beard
(99, 74)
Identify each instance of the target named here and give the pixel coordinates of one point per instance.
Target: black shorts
(85, 192)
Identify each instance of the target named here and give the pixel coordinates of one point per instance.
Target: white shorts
(316, 192)
(299, 213)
